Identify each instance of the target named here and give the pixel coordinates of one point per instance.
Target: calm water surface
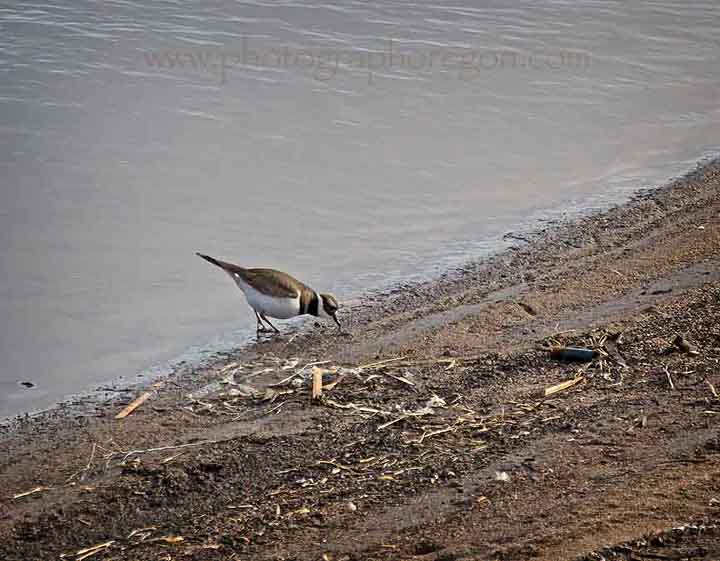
(353, 144)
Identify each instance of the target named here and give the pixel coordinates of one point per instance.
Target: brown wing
(267, 281)
(272, 282)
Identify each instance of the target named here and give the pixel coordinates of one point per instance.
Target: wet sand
(434, 438)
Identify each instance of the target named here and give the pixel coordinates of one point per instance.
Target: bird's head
(328, 307)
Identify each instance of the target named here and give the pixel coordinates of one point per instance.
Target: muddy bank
(435, 439)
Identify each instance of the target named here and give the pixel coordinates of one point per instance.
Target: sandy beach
(446, 430)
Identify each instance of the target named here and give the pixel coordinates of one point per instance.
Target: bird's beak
(337, 321)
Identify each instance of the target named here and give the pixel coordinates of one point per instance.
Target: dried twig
(297, 373)
(92, 550)
(669, 379)
(425, 435)
(336, 465)
(712, 389)
(228, 367)
(331, 385)
(146, 530)
(90, 461)
(380, 363)
(32, 491)
(452, 361)
(420, 413)
(355, 407)
(83, 472)
(402, 380)
(563, 386)
(126, 455)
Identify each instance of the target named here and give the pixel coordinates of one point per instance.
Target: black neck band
(314, 306)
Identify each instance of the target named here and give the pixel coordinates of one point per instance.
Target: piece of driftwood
(317, 376)
(134, 405)
(563, 386)
(128, 409)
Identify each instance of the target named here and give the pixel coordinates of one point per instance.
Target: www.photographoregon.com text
(325, 64)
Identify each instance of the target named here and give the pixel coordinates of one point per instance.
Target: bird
(276, 294)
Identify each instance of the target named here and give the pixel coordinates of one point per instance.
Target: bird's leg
(275, 329)
(260, 327)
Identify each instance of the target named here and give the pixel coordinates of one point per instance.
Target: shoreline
(470, 338)
(87, 399)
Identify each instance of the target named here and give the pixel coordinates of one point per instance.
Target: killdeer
(277, 294)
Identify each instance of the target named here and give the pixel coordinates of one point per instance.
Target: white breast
(280, 308)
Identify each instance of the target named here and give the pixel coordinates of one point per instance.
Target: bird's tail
(224, 266)
(229, 268)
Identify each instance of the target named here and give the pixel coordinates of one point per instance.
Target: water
(351, 144)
